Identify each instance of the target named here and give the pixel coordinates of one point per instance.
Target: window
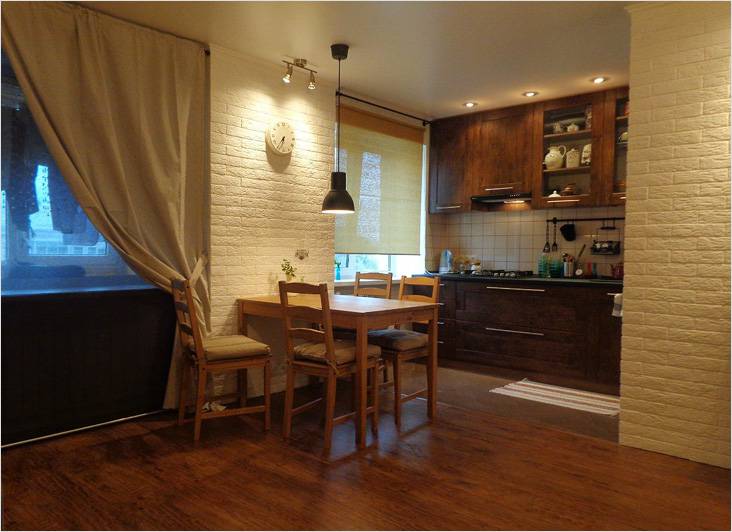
(385, 164)
(46, 240)
(48, 243)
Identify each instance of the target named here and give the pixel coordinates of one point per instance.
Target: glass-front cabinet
(571, 133)
(617, 142)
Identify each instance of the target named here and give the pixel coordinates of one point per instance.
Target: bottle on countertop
(544, 269)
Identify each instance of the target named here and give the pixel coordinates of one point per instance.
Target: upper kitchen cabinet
(569, 152)
(615, 166)
(568, 160)
(448, 191)
(499, 149)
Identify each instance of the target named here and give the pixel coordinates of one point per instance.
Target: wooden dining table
(361, 314)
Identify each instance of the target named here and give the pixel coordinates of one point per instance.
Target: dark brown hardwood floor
(469, 470)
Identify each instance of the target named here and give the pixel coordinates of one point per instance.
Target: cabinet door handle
(498, 188)
(442, 284)
(440, 323)
(441, 304)
(516, 289)
(613, 294)
(514, 332)
(440, 342)
(450, 207)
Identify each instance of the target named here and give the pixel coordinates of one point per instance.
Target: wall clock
(280, 138)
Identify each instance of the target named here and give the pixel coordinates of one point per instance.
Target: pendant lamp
(338, 200)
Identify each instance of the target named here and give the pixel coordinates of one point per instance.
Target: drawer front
(517, 307)
(524, 348)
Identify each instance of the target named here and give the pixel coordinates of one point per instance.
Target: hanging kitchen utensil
(568, 232)
(605, 247)
(547, 247)
(554, 245)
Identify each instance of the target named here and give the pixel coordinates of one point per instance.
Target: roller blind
(383, 164)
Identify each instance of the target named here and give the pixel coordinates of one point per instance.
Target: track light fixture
(301, 64)
(288, 75)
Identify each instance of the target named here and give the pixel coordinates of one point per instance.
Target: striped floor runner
(597, 403)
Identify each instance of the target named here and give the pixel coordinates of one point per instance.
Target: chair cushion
(231, 347)
(398, 339)
(344, 334)
(345, 351)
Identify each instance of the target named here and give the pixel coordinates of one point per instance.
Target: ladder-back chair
(320, 355)
(400, 345)
(214, 354)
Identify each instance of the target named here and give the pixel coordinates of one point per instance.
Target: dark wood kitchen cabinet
(557, 334)
(448, 192)
(499, 149)
(481, 153)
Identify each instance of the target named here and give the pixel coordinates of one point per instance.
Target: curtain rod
(344, 95)
(203, 45)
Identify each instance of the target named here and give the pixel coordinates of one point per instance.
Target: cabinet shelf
(567, 198)
(577, 170)
(583, 133)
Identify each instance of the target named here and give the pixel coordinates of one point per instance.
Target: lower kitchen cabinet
(557, 334)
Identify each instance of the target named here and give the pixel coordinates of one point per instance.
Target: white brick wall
(675, 365)
(264, 207)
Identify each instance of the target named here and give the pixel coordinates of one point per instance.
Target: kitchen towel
(618, 305)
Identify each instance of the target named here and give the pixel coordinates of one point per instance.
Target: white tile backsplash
(514, 240)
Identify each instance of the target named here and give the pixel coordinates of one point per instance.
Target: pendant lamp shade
(338, 200)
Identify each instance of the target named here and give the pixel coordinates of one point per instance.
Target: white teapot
(555, 158)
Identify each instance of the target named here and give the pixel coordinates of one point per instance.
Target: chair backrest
(433, 282)
(373, 291)
(320, 317)
(185, 310)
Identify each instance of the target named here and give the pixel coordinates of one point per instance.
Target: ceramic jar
(586, 159)
(555, 158)
(573, 158)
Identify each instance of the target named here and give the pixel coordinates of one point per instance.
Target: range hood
(505, 197)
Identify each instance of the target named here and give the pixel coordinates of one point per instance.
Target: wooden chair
(321, 356)
(370, 290)
(400, 345)
(367, 290)
(212, 355)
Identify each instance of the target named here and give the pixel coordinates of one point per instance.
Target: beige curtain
(383, 164)
(123, 111)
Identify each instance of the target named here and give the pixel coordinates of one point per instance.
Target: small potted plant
(288, 269)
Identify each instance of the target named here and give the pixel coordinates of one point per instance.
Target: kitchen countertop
(534, 279)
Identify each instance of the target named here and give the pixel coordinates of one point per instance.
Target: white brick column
(675, 365)
(264, 207)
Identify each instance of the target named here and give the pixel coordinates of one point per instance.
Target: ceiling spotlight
(599, 79)
(469, 104)
(311, 85)
(530, 94)
(288, 75)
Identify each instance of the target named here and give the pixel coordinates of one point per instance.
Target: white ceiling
(424, 57)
